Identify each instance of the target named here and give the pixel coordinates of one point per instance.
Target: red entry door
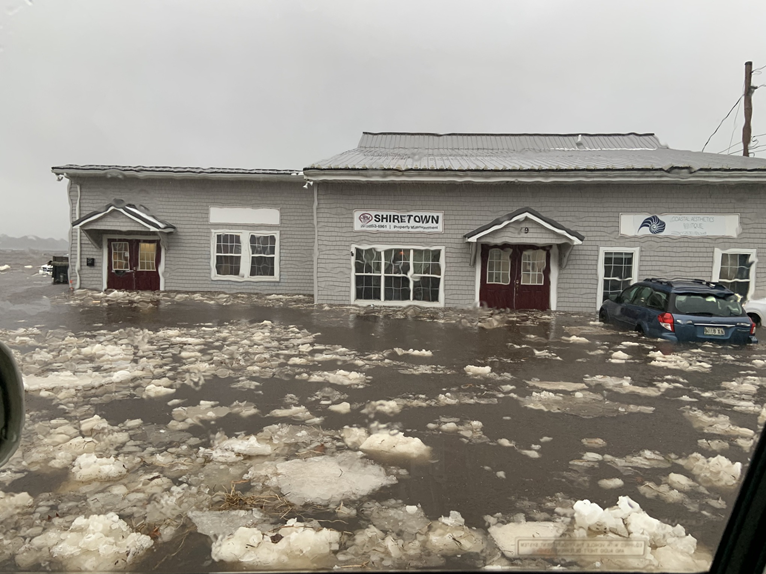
(133, 264)
(515, 277)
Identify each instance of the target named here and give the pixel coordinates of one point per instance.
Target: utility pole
(747, 132)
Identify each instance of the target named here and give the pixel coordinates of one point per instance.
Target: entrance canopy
(119, 216)
(525, 226)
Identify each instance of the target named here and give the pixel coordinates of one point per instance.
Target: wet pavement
(350, 437)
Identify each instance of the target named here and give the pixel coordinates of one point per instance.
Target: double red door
(515, 277)
(133, 264)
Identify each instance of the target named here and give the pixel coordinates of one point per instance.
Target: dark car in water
(680, 310)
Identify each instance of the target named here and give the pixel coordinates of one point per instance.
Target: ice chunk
(90, 467)
(610, 483)
(354, 437)
(395, 445)
(343, 408)
(560, 386)
(218, 523)
(99, 542)
(676, 361)
(153, 391)
(715, 424)
(681, 482)
(339, 377)
(575, 339)
(449, 536)
(422, 353)
(477, 371)
(717, 471)
(389, 408)
(10, 504)
(328, 480)
(293, 547)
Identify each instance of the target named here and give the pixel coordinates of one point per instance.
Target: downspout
(316, 244)
(79, 239)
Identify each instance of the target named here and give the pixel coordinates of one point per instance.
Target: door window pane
(498, 267)
(120, 256)
(147, 254)
(532, 267)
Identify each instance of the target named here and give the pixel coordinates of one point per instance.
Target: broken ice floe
(583, 404)
(678, 361)
(717, 471)
(328, 480)
(295, 546)
(395, 446)
(98, 542)
(413, 352)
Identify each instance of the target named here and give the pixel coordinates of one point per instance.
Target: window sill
(369, 303)
(238, 279)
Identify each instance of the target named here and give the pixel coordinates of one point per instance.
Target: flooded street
(183, 431)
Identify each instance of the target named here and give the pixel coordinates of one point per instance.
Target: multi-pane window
(245, 256)
(498, 266)
(147, 254)
(120, 256)
(618, 272)
(532, 267)
(397, 274)
(228, 254)
(263, 250)
(734, 273)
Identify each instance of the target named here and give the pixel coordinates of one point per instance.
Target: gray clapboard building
(520, 221)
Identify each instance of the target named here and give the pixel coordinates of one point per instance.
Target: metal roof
(167, 171)
(526, 152)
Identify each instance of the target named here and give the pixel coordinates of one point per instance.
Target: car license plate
(713, 331)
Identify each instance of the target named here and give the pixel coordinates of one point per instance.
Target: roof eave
(69, 173)
(680, 175)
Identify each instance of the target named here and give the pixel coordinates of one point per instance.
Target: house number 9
(526, 230)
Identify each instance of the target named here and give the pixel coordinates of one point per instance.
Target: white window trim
(105, 256)
(717, 253)
(246, 255)
(369, 302)
(603, 251)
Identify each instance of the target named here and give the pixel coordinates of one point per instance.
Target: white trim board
(366, 303)
(244, 238)
(600, 270)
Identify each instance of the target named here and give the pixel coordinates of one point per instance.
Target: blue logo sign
(654, 224)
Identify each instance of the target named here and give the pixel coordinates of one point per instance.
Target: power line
(723, 120)
(740, 143)
(734, 127)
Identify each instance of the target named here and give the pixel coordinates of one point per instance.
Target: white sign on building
(417, 221)
(679, 225)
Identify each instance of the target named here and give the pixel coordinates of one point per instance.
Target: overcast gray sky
(280, 84)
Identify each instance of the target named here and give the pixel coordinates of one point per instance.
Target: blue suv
(681, 310)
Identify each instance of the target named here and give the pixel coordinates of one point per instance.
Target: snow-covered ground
(322, 438)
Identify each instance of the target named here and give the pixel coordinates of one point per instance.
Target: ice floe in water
(328, 480)
(677, 361)
(421, 353)
(715, 424)
(477, 371)
(339, 377)
(583, 404)
(395, 446)
(716, 471)
(295, 546)
(98, 542)
(657, 545)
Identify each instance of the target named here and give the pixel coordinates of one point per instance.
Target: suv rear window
(707, 304)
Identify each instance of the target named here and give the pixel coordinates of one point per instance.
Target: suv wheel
(602, 316)
(756, 319)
